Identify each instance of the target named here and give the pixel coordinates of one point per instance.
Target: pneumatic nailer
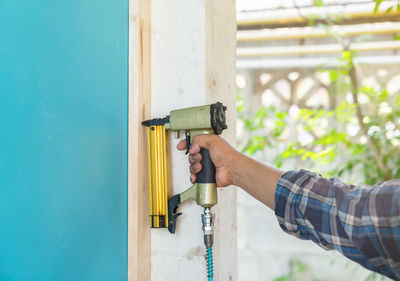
(207, 119)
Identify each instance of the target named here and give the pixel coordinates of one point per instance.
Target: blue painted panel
(63, 139)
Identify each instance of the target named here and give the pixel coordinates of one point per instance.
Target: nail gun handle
(207, 173)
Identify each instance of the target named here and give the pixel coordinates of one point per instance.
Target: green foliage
(389, 9)
(297, 269)
(370, 147)
(396, 37)
(353, 138)
(377, 4)
(374, 276)
(318, 3)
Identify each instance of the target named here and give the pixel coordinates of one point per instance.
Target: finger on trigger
(194, 149)
(181, 145)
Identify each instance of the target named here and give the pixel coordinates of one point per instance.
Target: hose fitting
(208, 227)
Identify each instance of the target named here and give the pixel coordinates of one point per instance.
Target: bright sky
(242, 5)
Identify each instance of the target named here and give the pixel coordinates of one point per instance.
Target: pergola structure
(279, 61)
(278, 49)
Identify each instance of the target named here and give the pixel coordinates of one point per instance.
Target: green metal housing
(190, 118)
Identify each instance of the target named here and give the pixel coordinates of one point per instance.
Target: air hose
(209, 262)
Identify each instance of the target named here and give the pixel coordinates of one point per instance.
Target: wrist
(257, 179)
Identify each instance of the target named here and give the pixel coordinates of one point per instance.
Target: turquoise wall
(63, 139)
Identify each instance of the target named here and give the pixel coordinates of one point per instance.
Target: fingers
(194, 149)
(192, 178)
(199, 141)
(195, 168)
(194, 153)
(203, 141)
(193, 158)
(181, 145)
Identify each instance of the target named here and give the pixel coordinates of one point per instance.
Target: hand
(233, 168)
(221, 153)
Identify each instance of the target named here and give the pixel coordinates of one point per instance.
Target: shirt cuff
(288, 196)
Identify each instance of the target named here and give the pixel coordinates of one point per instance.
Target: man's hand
(221, 153)
(234, 168)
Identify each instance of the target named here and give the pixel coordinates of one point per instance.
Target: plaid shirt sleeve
(361, 222)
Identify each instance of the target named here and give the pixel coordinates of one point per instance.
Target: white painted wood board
(193, 63)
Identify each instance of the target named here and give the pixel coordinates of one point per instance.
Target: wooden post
(139, 110)
(193, 63)
(220, 44)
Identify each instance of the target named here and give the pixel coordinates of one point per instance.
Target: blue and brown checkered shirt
(361, 222)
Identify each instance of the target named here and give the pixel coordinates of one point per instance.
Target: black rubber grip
(207, 173)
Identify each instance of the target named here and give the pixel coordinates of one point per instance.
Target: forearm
(255, 178)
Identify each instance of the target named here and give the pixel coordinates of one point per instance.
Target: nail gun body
(207, 119)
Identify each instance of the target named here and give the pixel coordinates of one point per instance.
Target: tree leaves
(318, 3)
(347, 138)
(388, 10)
(377, 4)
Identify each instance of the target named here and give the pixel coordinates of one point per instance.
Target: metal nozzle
(208, 227)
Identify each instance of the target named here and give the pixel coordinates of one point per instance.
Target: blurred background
(318, 86)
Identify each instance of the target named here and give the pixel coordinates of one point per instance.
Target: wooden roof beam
(315, 49)
(302, 15)
(316, 32)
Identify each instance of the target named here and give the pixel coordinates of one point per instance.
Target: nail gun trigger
(188, 144)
